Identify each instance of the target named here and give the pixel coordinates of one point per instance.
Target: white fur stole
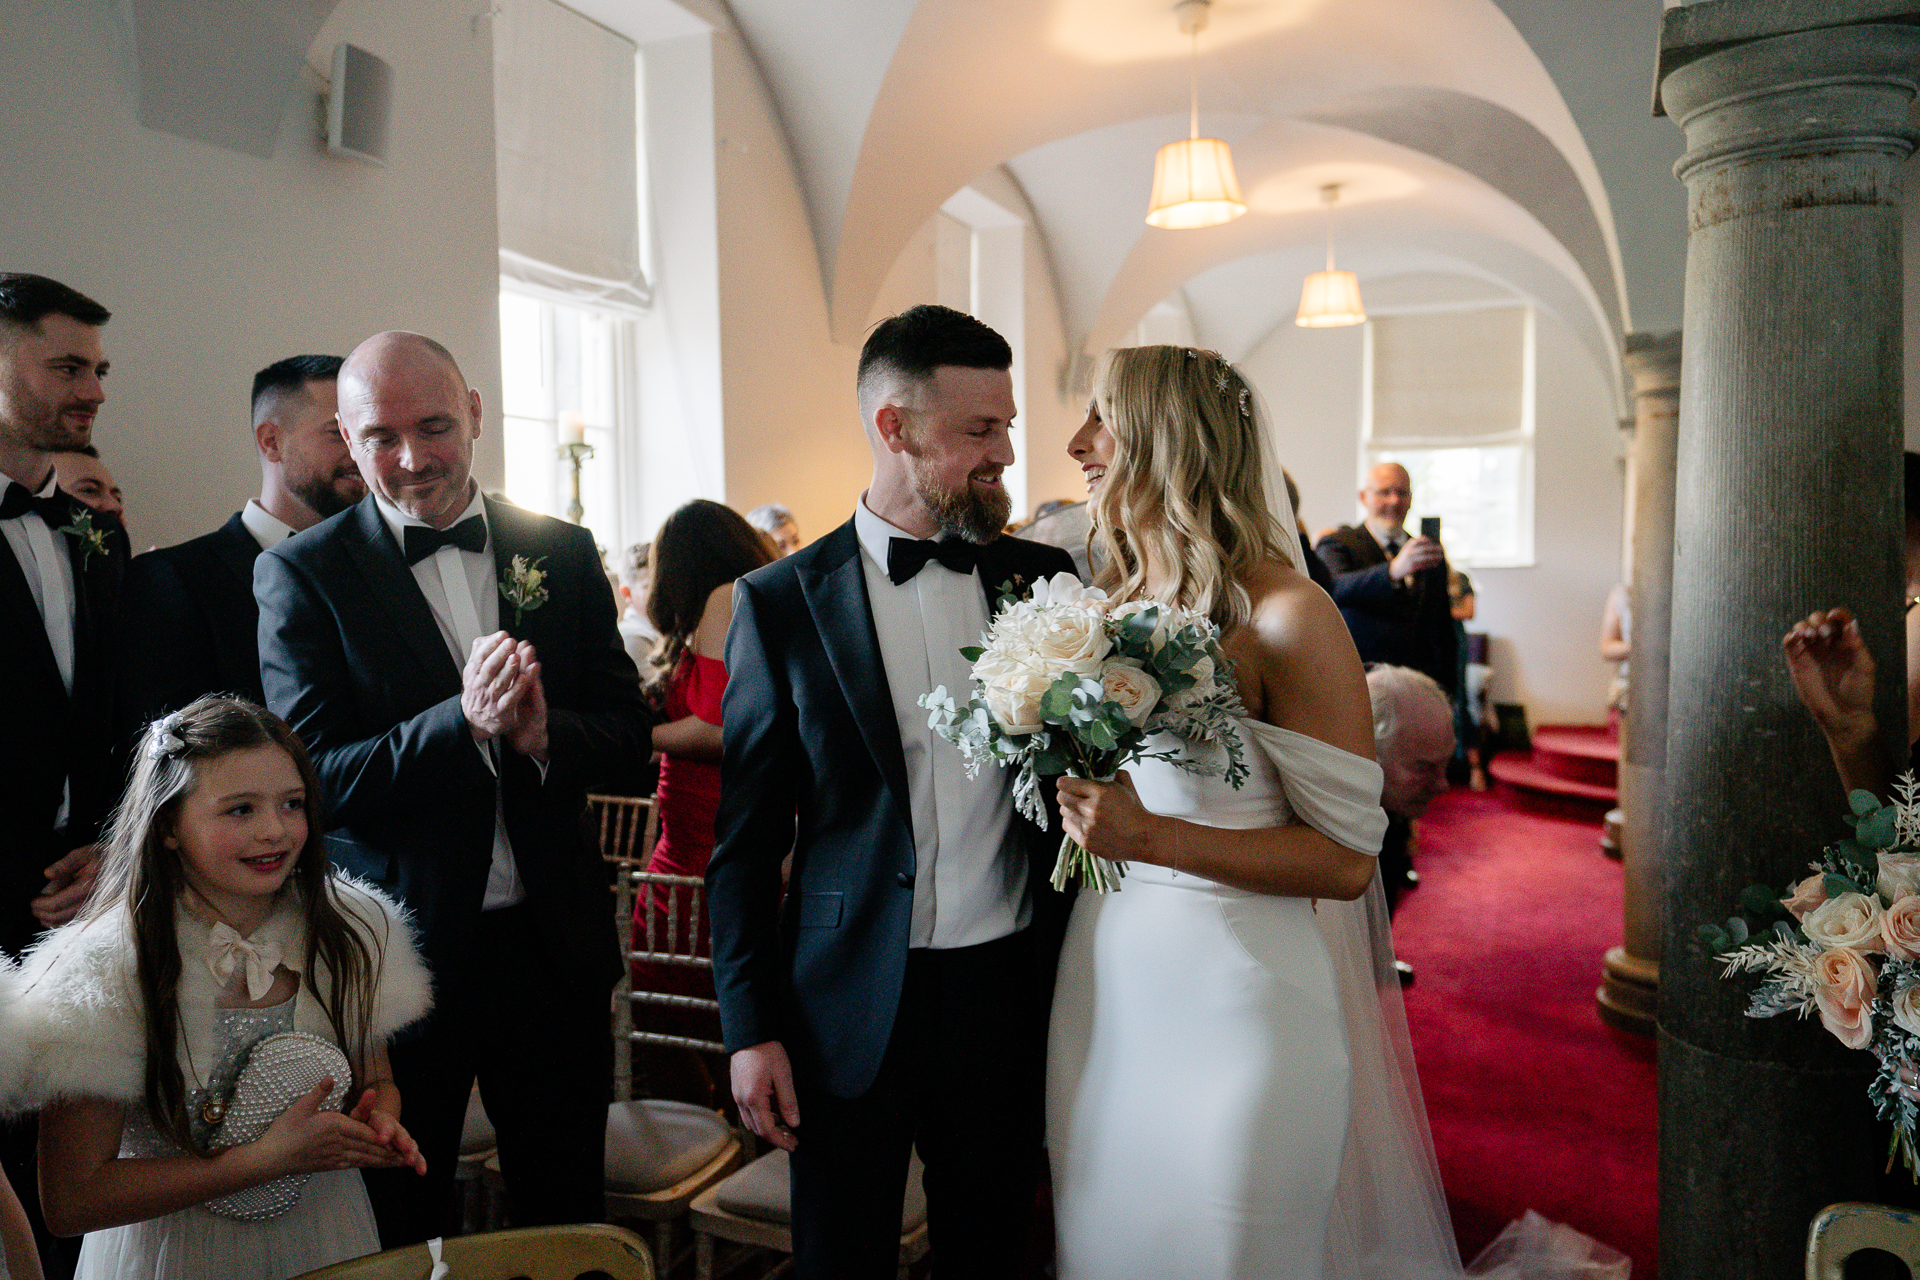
(82, 1022)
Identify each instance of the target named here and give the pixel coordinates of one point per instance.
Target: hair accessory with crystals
(163, 738)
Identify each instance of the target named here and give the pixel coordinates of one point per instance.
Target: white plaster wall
(1544, 620)
(216, 263)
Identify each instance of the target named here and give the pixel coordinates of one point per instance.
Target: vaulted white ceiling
(1455, 147)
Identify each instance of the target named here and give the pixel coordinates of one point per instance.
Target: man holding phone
(1392, 587)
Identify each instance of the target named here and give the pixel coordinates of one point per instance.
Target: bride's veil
(1389, 1219)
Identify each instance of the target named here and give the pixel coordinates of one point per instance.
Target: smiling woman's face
(1092, 447)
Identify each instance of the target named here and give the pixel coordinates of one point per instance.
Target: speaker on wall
(359, 105)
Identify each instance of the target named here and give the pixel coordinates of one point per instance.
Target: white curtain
(567, 136)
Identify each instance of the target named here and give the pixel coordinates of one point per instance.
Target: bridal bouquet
(1845, 943)
(1064, 682)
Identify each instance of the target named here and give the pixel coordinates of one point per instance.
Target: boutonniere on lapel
(92, 538)
(524, 586)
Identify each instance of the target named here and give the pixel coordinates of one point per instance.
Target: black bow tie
(906, 556)
(19, 502)
(420, 541)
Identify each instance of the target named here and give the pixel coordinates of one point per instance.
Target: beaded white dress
(331, 1223)
(1201, 1113)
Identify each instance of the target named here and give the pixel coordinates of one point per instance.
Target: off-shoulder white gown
(1198, 1082)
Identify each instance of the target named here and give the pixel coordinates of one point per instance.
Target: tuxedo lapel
(513, 534)
(23, 616)
(377, 557)
(835, 586)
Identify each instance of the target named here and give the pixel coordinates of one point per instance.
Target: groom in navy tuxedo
(457, 708)
(897, 998)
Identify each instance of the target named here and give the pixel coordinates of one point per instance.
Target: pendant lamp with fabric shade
(1330, 299)
(1193, 180)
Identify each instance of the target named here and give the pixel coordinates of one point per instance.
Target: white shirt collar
(875, 531)
(398, 520)
(46, 490)
(267, 529)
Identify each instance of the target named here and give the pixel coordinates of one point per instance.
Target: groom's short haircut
(26, 300)
(283, 378)
(910, 346)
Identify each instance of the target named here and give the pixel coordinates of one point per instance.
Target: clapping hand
(1833, 673)
(387, 1127)
(1418, 554)
(306, 1139)
(502, 695)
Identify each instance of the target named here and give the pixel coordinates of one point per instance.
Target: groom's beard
(964, 512)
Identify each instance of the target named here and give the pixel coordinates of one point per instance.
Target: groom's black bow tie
(906, 557)
(420, 541)
(19, 502)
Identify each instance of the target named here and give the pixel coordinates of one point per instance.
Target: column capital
(1842, 89)
(1654, 361)
(1694, 28)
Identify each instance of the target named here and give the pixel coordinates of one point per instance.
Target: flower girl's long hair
(1184, 504)
(142, 876)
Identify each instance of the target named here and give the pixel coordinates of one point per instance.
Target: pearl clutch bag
(280, 1070)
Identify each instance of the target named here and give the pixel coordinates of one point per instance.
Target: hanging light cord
(1193, 87)
(1329, 194)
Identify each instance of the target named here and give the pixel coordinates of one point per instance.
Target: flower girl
(208, 1039)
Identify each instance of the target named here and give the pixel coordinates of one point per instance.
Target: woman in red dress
(697, 554)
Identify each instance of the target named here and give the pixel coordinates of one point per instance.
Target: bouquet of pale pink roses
(1065, 682)
(1845, 943)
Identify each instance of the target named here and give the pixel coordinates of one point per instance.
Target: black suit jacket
(54, 737)
(1407, 626)
(191, 624)
(814, 764)
(351, 657)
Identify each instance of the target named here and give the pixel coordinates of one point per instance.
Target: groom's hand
(526, 703)
(763, 1090)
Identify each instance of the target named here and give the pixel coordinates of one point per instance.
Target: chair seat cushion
(476, 1132)
(763, 1191)
(653, 1144)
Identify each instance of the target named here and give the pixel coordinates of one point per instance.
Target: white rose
(1850, 920)
(1075, 640)
(1064, 588)
(1906, 1010)
(1899, 876)
(1014, 701)
(1136, 692)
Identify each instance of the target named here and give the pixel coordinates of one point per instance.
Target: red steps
(1580, 762)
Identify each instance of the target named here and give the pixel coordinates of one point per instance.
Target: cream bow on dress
(227, 950)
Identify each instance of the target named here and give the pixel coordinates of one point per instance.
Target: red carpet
(1535, 1103)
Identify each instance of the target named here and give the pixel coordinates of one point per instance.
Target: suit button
(904, 879)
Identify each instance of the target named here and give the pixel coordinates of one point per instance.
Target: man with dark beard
(190, 614)
(897, 998)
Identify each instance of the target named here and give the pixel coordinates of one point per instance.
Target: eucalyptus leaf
(1837, 885)
(972, 652)
(1876, 832)
(1759, 900)
(1863, 803)
(1737, 930)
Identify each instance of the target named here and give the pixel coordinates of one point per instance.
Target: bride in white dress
(1229, 1093)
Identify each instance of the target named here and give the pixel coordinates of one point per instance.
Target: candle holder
(576, 452)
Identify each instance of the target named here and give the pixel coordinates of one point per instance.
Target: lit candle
(573, 429)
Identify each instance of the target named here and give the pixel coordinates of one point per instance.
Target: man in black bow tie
(898, 997)
(453, 665)
(60, 569)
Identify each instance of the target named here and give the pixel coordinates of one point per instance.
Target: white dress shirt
(465, 599)
(970, 876)
(268, 529)
(48, 570)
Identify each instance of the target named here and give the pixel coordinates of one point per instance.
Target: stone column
(1790, 498)
(1629, 997)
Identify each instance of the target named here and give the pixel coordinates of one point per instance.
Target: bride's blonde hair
(1184, 500)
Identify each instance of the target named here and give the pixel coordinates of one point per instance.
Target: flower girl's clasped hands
(306, 1139)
